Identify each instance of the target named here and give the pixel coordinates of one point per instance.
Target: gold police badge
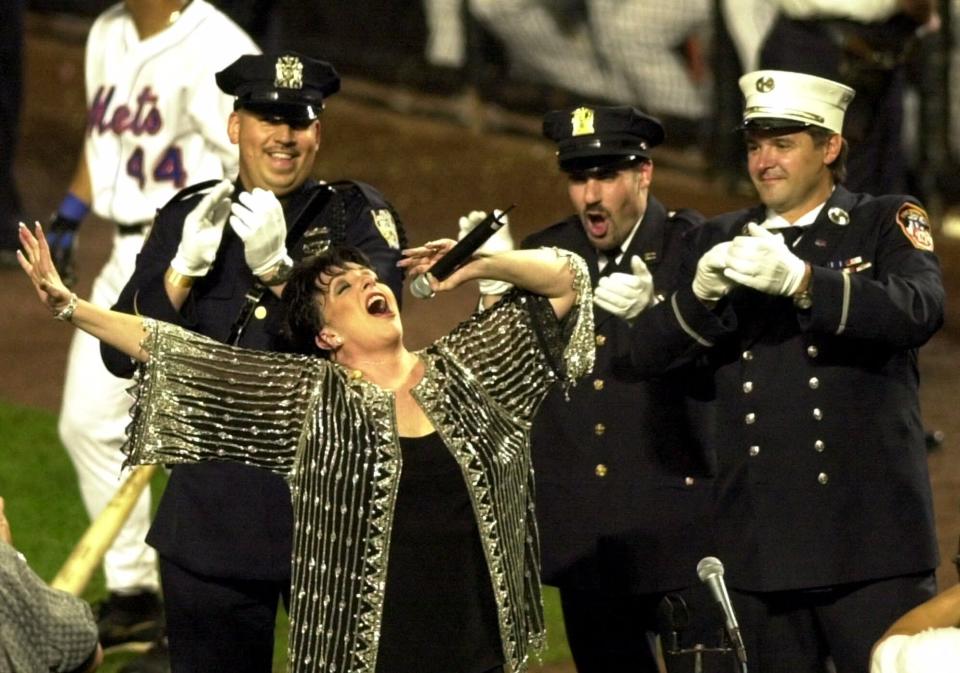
(387, 227)
(289, 73)
(582, 121)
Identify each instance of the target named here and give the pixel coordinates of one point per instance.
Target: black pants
(796, 631)
(217, 624)
(606, 630)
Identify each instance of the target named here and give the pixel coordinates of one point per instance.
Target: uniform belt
(133, 229)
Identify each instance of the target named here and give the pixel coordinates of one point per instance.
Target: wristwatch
(803, 297)
(280, 274)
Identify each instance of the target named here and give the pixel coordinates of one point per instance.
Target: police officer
(623, 486)
(809, 309)
(223, 532)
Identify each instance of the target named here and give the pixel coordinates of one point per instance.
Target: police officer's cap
(284, 85)
(777, 99)
(601, 137)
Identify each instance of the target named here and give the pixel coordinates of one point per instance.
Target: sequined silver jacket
(334, 437)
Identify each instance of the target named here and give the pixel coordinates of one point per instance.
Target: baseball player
(156, 122)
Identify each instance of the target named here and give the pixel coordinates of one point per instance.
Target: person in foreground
(41, 629)
(415, 544)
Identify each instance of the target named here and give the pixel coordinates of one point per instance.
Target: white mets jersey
(156, 121)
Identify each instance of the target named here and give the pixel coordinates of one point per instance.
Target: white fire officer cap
(778, 99)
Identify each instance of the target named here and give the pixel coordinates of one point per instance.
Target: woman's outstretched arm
(122, 331)
(542, 271)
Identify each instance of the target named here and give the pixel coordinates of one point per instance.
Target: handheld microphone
(710, 571)
(458, 254)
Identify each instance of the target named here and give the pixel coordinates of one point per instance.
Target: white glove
(626, 294)
(710, 284)
(764, 262)
(259, 222)
(202, 231)
(501, 241)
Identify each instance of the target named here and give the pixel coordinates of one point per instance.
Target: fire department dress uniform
(824, 503)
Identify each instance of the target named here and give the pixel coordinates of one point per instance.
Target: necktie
(791, 234)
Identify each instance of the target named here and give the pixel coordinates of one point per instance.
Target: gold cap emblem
(582, 121)
(765, 84)
(289, 71)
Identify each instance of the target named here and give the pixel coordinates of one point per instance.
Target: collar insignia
(839, 216)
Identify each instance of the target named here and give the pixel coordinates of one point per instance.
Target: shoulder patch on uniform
(387, 226)
(915, 225)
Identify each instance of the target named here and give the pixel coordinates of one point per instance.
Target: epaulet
(690, 215)
(369, 192)
(187, 192)
(343, 185)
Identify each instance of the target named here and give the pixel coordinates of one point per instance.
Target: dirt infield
(433, 170)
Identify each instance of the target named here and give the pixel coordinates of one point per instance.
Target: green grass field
(47, 517)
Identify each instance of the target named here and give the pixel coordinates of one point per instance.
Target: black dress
(439, 613)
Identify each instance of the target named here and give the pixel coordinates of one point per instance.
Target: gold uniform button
(814, 383)
(748, 386)
(754, 450)
(823, 478)
(601, 339)
(813, 351)
(817, 414)
(819, 446)
(260, 312)
(599, 429)
(750, 418)
(689, 481)
(598, 384)
(747, 355)
(600, 470)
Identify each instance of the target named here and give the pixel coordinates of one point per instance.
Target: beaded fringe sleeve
(567, 345)
(198, 399)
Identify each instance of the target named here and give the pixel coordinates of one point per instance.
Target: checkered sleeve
(41, 629)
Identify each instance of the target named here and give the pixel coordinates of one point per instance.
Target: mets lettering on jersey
(156, 120)
(145, 117)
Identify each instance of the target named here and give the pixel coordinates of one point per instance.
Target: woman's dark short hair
(304, 317)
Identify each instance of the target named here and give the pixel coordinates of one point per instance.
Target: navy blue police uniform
(224, 531)
(624, 485)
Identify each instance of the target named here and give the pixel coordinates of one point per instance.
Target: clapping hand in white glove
(202, 231)
(259, 222)
(501, 241)
(625, 294)
(710, 284)
(763, 261)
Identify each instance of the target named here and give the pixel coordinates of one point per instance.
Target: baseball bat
(79, 567)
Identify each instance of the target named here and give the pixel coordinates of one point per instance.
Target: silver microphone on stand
(710, 572)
